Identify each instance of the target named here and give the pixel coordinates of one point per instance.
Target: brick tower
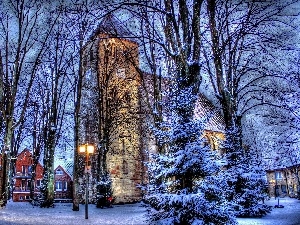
(112, 84)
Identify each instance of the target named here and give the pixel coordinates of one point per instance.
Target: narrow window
(123, 147)
(28, 185)
(58, 185)
(64, 185)
(24, 169)
(125, 167)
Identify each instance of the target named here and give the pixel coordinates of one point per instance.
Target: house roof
(204, 109)
(60, 167)
(214, 121)
(25, 151)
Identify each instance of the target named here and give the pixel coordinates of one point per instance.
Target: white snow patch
(289, 215)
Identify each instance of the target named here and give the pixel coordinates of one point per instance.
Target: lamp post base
(87, 197)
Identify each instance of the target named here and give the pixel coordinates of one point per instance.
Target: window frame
(62, 184)
(278, 175)
(58, 184)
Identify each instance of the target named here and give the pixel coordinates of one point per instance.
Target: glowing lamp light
(86, 148)
(82, 149)
(90, 149)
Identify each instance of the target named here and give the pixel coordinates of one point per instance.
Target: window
(59, 172)
(127, 97)
(61, 186)
(121, 73)
(24, 169)
(38, 183)
(58, 185)
(283, 188)
(28, 184)
(125, 167)
(123, 147)
(27, 197)
(23, 185)
(278, 175)
(30, 169)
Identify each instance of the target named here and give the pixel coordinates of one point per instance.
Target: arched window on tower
(125, 167)
(106, 52)
(123, 147)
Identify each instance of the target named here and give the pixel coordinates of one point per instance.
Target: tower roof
(112, 26)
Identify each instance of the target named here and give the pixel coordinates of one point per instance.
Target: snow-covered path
(18, 213)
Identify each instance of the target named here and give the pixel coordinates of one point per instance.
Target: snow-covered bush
(104, 186)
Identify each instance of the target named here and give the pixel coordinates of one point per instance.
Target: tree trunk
(6, 179)
(76, 167)
(76, 164)
(47, 190)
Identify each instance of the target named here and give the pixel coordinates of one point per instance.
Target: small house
(63, 185)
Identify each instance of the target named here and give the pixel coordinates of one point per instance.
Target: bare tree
(24, 38)
(81, 18)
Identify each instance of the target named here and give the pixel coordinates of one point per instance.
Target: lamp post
(86, 149)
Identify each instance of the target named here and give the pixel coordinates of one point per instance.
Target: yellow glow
(82, 149)
(90, 149)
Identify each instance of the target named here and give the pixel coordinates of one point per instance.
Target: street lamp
(86, 149)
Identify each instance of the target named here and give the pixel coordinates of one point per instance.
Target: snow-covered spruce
(245, 179)
(187, 185)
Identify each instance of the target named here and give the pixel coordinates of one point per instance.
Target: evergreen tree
(245, 179)
(186, 182)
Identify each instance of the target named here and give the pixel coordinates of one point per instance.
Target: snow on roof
(204, 108)
(63, 169)
(66, 164)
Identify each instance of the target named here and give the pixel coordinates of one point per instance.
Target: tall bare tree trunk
(76, 167)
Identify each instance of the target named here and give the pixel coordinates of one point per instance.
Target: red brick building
(22, 179)
(63, 184)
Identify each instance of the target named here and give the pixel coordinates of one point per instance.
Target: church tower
(111, 91)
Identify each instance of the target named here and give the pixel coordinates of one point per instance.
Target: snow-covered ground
(289, 215)
(17, 213)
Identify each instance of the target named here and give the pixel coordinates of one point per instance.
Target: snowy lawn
(289, 215)
(17, 213)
